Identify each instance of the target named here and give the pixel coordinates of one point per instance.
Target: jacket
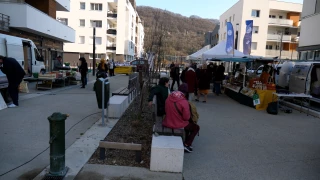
(83, 68)
(161, 93)
(220, 73)
(191, 80)
(204, 79)
(13, 70)
(173, 119)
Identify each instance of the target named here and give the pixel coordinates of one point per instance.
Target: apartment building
(212, 37)
(115, 23)
(36, 20)
(309, 42)
(276, 26)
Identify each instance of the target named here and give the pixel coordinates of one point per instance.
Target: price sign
(256, 99)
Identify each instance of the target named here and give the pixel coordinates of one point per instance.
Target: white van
(24, 51)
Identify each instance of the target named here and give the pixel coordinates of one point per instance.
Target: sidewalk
(239, 142)
(25, 130)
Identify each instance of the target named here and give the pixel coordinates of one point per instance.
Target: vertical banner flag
(247, 40)
(230, 39)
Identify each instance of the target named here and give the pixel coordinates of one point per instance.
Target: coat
(205, 78)
(173, 118)
(161, 93)
(83, 68)
(13, 70)
(219, 73)
(191, 80)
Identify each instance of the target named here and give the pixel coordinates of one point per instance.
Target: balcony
(22, 16)
(4, 22)
(280, 22)
(284, 54)
(277, 38)
(112, 15)
(112, 31)
(63, 5)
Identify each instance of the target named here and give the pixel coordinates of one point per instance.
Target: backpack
(273, 108)
(194, 113)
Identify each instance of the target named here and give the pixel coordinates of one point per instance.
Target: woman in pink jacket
(178, 115)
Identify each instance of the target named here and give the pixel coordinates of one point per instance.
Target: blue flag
(247, 40)
(230, 39)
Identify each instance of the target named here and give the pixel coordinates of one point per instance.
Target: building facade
(309, 42)
(276, 26)
(212, 37)
(116, 25)
(48, 34)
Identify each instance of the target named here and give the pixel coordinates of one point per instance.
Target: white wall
(74, 17)
(23, 16)
(308, 7)
(310, 31)
(285, 6)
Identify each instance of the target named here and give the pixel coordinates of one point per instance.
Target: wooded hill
(174, 33)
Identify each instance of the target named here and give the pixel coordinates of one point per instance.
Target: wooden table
(47, 83)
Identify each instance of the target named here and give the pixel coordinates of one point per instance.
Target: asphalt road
(25, 130)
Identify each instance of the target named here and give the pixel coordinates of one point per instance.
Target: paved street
(25, 130)
(240, 143)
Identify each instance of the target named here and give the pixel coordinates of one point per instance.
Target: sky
(204, 8)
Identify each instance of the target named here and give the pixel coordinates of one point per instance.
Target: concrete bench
(117, 106)
(167, 153)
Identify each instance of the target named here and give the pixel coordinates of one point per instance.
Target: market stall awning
(198, 55)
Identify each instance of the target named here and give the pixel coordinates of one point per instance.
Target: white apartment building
(276, 24)
(139, 38)
(36, 20)
(309, 42)
(115, 24)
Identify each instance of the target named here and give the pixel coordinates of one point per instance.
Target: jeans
(84, 80)
(174, 81)
(191, 130)
(217, 87)
(111, 72)
(13, 89)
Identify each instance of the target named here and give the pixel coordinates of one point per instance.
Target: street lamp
(235, 46)
(94, 49)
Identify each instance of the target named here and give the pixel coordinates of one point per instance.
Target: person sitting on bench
(178, 115)
(161, 91)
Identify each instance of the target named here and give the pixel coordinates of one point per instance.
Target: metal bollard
(57, 144)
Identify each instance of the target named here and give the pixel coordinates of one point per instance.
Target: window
(317, 55)
(317, 6)
(224, 36)
(268, 46)
(310, 55)
(96, 23)
(233, 17)
(280, 17)
(96, 7)
(82, 23)
(255, 29)
(272, 16)
(98, 40)
(254, 45)
(255, 13)
(98, 56)
(81, 40)
(225, 22)
(82, 5)
(63, 21)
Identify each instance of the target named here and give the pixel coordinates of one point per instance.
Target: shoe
(191, 148)
(82, 87)
(12, 106)
(187, 149)
(197, 100)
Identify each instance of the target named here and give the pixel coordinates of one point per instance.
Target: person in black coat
(83, 69)
(15, 74)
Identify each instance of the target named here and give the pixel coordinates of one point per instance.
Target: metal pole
(103, 82)
(281, 45)
(94, 52)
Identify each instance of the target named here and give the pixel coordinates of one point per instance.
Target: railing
(112, 31)
(4, 22)
(111, 44)
(112, 27)
(277, 37)
(282, 22)
(112, 15)
(284, 54)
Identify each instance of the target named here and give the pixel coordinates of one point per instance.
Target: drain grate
(48, 177)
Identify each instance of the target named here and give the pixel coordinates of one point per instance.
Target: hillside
(184, 35)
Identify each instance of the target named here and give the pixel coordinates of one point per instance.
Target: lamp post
(235, 46)
(94, 49)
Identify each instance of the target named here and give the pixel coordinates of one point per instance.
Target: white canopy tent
(198, 55)
(219, 52)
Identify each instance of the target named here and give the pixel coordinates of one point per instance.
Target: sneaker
(191, 148)
(187, 149)
(12, 106)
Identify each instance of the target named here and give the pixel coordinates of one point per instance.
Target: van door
(299, 78)
(15, 49)
(27, 58)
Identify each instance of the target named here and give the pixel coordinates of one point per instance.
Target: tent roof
(219, 51)
(198, 55)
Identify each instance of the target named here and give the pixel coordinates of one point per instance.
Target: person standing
(112, 66)
(14, 72)
(204, 83)
(102, 69)
(161, 91)
(218, 79)
(175, 76)
(58, 64)
(83, 68)
(191, 80)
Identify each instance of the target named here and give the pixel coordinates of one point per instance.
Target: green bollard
(57, 144)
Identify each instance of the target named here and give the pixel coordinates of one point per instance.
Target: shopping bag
(23, 87)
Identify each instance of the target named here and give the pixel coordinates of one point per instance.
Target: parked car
(140, 64)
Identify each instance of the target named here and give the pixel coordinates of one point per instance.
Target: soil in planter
(130, 129)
